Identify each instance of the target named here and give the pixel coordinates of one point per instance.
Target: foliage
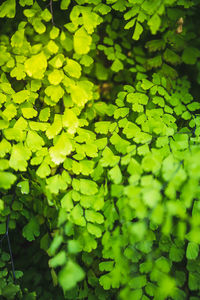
(99, 150)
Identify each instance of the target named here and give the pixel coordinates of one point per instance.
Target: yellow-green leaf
(82, 41)
(36, 66)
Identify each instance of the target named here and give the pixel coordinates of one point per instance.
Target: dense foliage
(99, 150)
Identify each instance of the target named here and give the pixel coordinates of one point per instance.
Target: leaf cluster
(99, 150)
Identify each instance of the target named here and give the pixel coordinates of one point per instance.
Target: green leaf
(176, 254)
(3, 228)
(64, 4)
(146, 84)
(70, 275)
(24, 185)
(57, 61)
(46, 15)
(58, 260)
(66, 202)
(131, 12)
(152, 162)
(94, 217)
(5, 147)
(102, 127)
(155, 45)
(131, 130)
(101, 72)
(154, 62)
(121, 112)
(31, 230)
(77, 215)
(10, 291)
(19, 157)
(194, 281)
(108, 158)
(2, 98)
(154, 23)
(43, 170)
(130, 24)
(55, 128)
(105, 281)
(55, 92)
(2, 206)
(73, 68)
(138, 31)
(54, 33)
(94, 230)
(38, 126)
(21, 124)
(82, 41)
(74, 246)
(52, 47)
(55, 77)
(35, 85)
(102, 8)
(115, 174)
(57, 241)
(117, 65)
(81, 92)
(56, 183)
(90, 19)
(163, 264)
(138, 282)
(190, 55)
(21, 96)
(192, 250)
(14, 134)
(10, 112)
(34, 141)
(6, 180)
(38, 25)
(86, 60)
(4, 164)
(44, 114)
(29, 112)
(61, 149)
(88, 187)
(106, 266)
(7, 9)
(17, 206)
(87, 167)
(6, 88)
(171, 57)
(137, 98)
(36, 66)
(70, 120)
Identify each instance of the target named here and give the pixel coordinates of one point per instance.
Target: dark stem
(51, 9)
(8, 239)
(11, 257)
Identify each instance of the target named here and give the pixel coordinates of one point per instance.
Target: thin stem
(51, 9)
(8, 239)
(11, 257)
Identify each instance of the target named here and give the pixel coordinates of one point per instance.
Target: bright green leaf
(138, 31)
(36, 66)
(82, 41)
(88, 187)
(73, 68)
(192, 250)
(70, 275)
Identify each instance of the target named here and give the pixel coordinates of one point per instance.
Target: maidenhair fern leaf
(31, 230)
